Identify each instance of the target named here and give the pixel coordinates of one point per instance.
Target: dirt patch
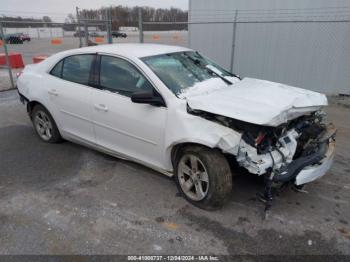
(266, 242)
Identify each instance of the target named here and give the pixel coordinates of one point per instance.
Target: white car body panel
(257, 101)
(135, 130)
(70, 103)
(147, 134)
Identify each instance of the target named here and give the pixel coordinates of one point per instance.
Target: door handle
(101, 107)
(53, 92)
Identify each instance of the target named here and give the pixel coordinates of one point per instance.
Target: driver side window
(120, 76)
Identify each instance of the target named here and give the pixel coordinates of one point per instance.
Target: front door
(135, 130)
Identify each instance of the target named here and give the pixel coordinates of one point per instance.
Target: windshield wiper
(208, 67)
(216, 72)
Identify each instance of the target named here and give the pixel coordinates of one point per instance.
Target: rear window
(57, 70)
(77, 68)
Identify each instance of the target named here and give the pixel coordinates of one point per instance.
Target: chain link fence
(259, 44)
(6, 76)
(23, 43)
(30, 41)
(308, 48)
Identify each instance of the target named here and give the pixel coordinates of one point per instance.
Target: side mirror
(148, 97)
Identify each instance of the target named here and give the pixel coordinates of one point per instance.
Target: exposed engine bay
(296, 152)
(266, 149)
(287, 148)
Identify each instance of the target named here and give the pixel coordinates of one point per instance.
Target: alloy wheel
(193, 177)
(43, 125)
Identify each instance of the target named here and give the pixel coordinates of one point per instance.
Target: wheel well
(176, 150)
(31, 105)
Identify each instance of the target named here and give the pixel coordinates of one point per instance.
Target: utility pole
(233, 42)
(109, 26)
(140, 25)
(79, 32)
(86, 33)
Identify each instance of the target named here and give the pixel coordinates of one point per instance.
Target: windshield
(180, 71)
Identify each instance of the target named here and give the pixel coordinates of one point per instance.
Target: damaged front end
(290, 151)
(299, 151)
(296, 152)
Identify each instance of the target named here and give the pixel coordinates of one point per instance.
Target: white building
(89, 28)
(128, 28)
(36, 32)
(298, 42)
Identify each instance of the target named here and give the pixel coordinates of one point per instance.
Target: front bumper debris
(311, 173)
(304, 169)
(308, 168)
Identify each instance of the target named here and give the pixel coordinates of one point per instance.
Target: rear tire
(203, 176)
(44, 125)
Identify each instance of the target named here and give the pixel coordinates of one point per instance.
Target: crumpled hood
(256, 101)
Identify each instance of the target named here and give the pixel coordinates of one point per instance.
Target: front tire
(44, 125)
(203, 176)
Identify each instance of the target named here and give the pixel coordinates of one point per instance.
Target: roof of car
(135, 49)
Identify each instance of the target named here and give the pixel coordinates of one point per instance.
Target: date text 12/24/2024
(173, 258)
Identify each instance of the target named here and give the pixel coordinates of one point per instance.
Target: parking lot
(67, 199)
(43, 46)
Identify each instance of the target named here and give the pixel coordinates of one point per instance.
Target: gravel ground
(67, 199)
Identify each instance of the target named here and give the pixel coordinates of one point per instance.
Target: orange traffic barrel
(56, 41)
(155, 37)
(99, 39)
(39, 58)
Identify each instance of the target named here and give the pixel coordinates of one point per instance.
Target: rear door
(70, 94)
(135, 130)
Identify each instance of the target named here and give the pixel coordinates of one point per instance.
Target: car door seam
(77, 116)
(124, 133)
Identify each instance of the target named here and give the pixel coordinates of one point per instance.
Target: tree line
(26, 22)
(129, 16)
(119, 15)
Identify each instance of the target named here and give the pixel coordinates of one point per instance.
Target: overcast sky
(60, 8)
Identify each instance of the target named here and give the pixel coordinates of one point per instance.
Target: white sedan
(177, 112)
